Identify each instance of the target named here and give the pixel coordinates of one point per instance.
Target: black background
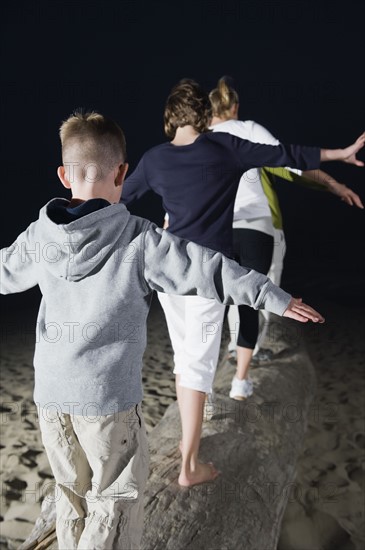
(298, 67)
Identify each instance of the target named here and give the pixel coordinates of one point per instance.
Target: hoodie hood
(75, 241)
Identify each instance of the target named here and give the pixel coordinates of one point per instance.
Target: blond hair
(91, 138)
(222, 98)
(187, 104)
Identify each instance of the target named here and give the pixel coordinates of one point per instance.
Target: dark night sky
(297, 66)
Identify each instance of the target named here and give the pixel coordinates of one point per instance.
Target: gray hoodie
(96, 275)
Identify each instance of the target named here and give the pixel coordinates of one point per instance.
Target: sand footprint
(27, 458)
(14, 488)
(356, 473)
(359, 439)
(314, 530)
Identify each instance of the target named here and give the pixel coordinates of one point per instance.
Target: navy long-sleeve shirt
(198, 182)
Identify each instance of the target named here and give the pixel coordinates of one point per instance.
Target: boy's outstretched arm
(180, 267)
(299, 311)
(18, 263)
(348, 154)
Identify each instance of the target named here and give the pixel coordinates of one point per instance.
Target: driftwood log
(255, 443)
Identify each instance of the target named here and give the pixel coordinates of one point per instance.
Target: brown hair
(222, 98)
(92, 137)
(187, 104)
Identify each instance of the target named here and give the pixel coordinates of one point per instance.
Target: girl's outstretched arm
(347, 155)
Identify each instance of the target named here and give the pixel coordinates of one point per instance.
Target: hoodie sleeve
(178, 266)
(18, 263)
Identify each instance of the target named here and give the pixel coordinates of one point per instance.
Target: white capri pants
(195, 328)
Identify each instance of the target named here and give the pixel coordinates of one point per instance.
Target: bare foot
(203, 473)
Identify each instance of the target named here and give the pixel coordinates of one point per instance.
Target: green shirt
(268, 179)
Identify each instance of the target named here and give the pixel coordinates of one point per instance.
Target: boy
(96, 266)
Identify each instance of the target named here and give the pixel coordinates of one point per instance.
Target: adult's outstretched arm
(318, 180)
(335, 187)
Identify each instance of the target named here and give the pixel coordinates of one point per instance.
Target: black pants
(252, 249)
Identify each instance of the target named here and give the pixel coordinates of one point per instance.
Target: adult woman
(197, 174)
(259, 242)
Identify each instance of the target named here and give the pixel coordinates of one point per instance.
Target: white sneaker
(241, 389)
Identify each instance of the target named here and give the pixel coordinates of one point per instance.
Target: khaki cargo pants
(100, 465)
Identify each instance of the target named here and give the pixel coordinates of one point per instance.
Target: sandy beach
(326, 506)
(326, 509)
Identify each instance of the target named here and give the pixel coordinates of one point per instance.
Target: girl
(197, 174)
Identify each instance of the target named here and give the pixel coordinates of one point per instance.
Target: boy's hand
(301, 312)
